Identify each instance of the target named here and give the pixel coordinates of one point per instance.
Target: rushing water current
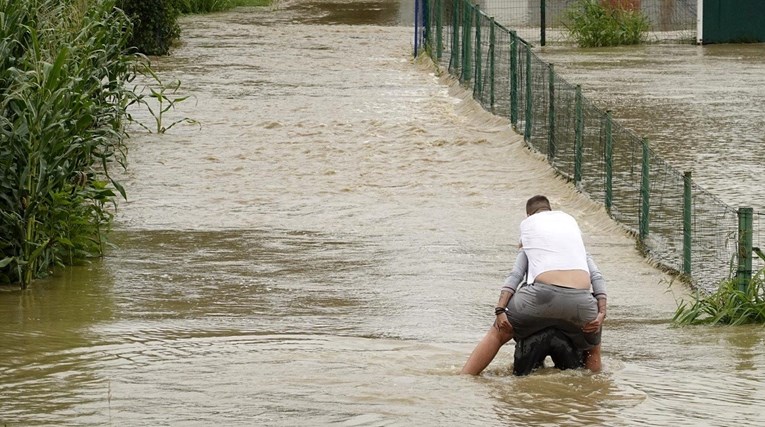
(325, 246)
(701, 107)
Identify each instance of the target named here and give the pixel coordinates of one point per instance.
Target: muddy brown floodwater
(326, 247)
(699, 106)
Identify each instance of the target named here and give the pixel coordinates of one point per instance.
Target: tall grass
(208, 6)
(726, 306)
(592, 23)
(64, 77)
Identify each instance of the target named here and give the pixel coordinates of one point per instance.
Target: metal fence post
(527, 127)
(439, 31)
(467, 44)
(551, 115)
(478, 81)
(426, 38)
(745, 235)
(609, 164)
(645, 191)
(514, 79)
(542, 23)
(578, 136)
(416, 25)
(454, 59)
(687, 241)
(492, 41)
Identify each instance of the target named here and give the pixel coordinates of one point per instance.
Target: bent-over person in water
(564, 289)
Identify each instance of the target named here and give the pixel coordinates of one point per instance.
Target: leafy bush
(155, 24)
(592, 23)
(727, 306)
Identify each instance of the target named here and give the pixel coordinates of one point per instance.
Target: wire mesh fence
(758, 241)
(534, 20)
(677, 224)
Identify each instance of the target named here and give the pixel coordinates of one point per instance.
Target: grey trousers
(537, 306)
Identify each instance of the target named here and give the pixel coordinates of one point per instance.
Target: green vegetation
(66, 73)
(63, 78)
(591, 23)
(208, 6)
(155, 24)
(727, 306)
(164, 101)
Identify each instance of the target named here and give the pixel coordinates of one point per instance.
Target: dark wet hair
(536, 204)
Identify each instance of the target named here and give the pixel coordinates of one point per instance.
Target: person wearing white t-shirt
(564, 289)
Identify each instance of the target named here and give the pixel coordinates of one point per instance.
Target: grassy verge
(727, 306)
(208, 6)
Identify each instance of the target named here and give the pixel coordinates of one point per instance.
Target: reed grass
(727, 306)
(64, 76)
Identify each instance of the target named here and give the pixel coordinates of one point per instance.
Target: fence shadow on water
(678, 225)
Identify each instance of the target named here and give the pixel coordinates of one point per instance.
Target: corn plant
(63, 75)
(160, 100)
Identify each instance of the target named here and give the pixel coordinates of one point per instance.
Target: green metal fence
(678, 225)
(543, 21)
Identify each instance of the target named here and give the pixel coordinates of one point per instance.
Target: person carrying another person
(557, 292)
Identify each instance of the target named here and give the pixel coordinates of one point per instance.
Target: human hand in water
(594, 325)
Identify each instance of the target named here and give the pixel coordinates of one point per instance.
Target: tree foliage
(155, 24)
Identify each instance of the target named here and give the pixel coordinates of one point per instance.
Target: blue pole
(416, 24)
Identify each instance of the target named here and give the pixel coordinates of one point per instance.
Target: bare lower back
(578, 279)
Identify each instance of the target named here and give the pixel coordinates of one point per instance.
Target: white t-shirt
(552, 240)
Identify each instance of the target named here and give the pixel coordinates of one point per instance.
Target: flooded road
(326, 247)
(701, 107)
